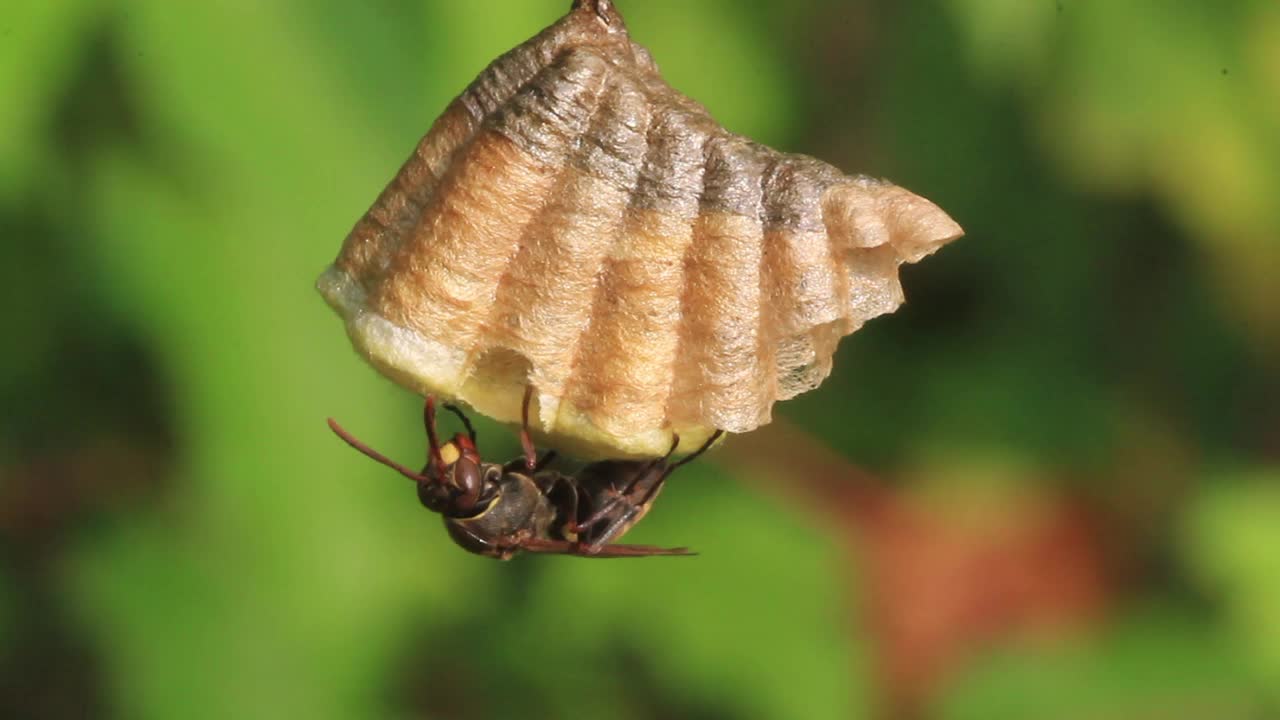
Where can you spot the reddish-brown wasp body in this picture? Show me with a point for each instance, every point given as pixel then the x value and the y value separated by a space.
pixel 499 510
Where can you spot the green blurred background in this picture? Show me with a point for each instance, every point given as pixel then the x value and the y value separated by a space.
pixel 1049 487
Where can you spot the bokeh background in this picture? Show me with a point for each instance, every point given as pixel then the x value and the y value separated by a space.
pixel 1049 487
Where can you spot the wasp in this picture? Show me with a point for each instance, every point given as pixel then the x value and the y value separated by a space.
pixel 523 506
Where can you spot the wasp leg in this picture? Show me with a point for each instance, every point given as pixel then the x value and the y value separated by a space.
pixel 543 463
pixel 621 497
pixel 715 437
pixel 563 494
pixel 526 440
pixel 634 508
pixel 546 460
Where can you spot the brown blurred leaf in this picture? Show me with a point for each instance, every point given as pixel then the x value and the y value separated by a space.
pixel 940 583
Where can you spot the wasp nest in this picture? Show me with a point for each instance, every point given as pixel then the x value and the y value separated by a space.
pixel 573 223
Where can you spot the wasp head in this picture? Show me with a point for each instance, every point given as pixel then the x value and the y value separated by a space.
pixel 455 482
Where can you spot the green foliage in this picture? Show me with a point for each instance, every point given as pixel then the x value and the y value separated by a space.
pixel 1155 660
pixel 1232 541
pixel 1178 101
pixel 7 610
pixel 174 176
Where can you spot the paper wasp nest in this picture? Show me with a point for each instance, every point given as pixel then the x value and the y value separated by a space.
pixel 574 223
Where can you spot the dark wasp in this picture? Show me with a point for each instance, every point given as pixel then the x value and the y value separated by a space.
pixel 500 510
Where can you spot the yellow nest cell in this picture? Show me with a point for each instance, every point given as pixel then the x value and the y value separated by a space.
pixel 573 224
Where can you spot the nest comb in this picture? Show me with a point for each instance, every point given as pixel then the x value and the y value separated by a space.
pixel 573 223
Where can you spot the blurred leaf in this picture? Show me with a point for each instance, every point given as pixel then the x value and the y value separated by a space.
pixel 1233 544
pixel 1008 37
pixel 1176 101
pixel 289 565
pixel 1153 664
pixel 286 575
pixel 712 52
pixel 278 561
pixel 38 51
pixel 6 608
pixel 756 623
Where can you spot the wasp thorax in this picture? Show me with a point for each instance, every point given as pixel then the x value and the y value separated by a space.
pixel 573 223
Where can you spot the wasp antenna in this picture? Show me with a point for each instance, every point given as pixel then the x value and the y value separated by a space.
pixel 429 419
pixel 351 440
pixel 466 421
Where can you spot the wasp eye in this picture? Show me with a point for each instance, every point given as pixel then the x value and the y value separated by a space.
pixel 467 478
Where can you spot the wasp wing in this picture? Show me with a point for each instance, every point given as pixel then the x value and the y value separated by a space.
pixel 564 547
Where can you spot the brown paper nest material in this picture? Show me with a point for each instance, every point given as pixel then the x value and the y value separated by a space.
pixel 574 223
